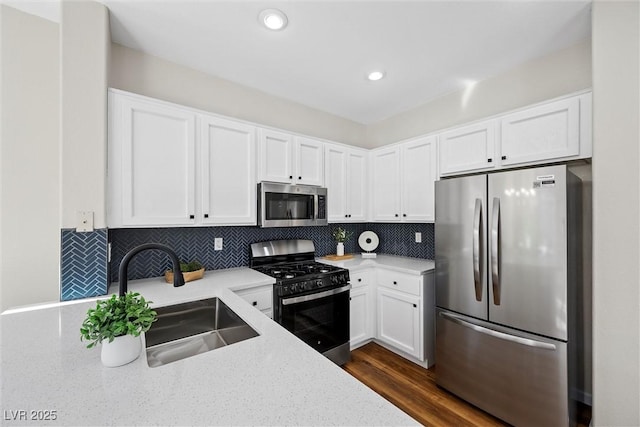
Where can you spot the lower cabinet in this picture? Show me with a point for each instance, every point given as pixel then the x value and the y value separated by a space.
pixel 399 321
pixel 362 308
pixel 261 297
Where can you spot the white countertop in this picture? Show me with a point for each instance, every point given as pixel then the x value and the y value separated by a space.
pixel 390 262
pixel 272 379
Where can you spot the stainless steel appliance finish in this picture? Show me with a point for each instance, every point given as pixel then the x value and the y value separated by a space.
pixel 505 272
pixel 310 299
pixel 286 205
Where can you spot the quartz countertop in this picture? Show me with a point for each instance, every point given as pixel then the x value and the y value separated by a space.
pixel 390 262
pixel 272 379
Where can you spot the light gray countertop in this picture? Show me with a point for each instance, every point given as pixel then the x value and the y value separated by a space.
pixel 390 262
pixel 272 379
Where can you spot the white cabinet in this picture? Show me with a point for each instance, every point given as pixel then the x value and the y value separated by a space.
pixel 469 148
pixel 399 316
pixel 227 153
pixel 290 160
pixel 346 182
pixel 362 309
pixel 547 132
pixel 260 297
pixel 154 178
pixel 554 131
pixel 151 170
pixel 403 181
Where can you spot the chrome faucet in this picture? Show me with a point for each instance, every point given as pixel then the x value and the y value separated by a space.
pixel 178 280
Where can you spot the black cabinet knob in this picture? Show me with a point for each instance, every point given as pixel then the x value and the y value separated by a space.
pixel 396 215
pixel 349 215
pixel 395 283
pixel 346 216
pixel 489 160
pixel 404 215
pixel 415 306
pixel 192 216
pixel 255 303
pixel 206 215
pixel 299 177
pixel 290 176
pixel 504 157
pixel 359 280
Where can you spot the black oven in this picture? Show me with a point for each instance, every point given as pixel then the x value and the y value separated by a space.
pixel 321 319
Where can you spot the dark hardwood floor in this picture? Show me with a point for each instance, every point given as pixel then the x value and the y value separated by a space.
pixel 413 389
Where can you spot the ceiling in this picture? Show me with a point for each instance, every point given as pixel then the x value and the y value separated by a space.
pixel 426 48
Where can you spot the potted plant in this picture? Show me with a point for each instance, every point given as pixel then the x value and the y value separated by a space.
pixel 117 323
pixel 190 271
pixel 340 235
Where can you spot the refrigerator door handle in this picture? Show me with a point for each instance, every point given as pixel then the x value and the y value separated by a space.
pixel 500 335
pixel 477 275
pixel 495 250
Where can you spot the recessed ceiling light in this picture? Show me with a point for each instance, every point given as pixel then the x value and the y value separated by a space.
pixel 375 75
pixel 273 19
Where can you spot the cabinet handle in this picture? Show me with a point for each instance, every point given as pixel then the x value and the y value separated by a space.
pixel 349 215
pixel 192 216
pixel 415 306
pixel 290 176
pixel 350 298
pixel 255 303
pixel 299 177
pixel 359 280
pixel 206 215
pixel 346 216
pixel 404 215
pixel 396 215
pixel 395 283
pixel 504 157
pixel 489 160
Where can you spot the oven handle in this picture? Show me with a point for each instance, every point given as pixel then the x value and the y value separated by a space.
pixel 305 298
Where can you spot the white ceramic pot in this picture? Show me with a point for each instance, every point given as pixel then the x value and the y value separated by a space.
pixel 122 350
pixel 340 249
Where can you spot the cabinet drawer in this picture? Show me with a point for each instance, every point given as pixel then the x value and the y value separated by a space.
pixel 360 278
pixel 400 281
pixel 261 298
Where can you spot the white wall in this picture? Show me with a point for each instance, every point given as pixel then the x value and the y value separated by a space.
pixel 557 74
pixel 29 166
pixel 616 214
pixel 137 72
pixel 85 43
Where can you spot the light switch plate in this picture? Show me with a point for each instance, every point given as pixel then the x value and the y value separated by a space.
pixel 418 237
pixel 217 244
pixel 84 221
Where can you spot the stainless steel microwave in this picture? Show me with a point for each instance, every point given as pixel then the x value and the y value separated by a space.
pixel 285 205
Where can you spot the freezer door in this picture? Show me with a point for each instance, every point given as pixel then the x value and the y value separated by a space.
pixel 520 378
pixel 460 237
pixel 528 250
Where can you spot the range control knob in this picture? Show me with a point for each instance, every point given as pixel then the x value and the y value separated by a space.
pixel 318 283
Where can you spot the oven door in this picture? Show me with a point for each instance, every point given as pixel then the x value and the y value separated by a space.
pixel 320 319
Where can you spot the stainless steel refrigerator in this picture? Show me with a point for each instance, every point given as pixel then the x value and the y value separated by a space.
pixel 508 253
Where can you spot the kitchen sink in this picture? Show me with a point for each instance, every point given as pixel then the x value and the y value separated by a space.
pixel 191 328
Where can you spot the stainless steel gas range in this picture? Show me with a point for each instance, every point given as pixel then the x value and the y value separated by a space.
pixel 310 299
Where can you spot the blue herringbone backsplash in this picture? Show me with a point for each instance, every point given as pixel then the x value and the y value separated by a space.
pixel 83 264
pixel 197 244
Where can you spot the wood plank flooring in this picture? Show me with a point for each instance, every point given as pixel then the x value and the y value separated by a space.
pixel 413 389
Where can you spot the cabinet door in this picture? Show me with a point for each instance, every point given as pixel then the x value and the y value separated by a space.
pixel 418 178
pixel 360 316
pixel 546 132
pixel 157 162
pixel 356 186
pixel 309 158
pixel 467 149
pixel 227 171
pixel 335 181
pixel 386 184
pixel 276 163
pixel 399 321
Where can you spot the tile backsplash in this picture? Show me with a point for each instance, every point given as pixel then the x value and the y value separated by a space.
pixel 83 264
pixel 197 244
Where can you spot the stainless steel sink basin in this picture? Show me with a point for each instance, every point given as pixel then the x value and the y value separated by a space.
pixel 184 330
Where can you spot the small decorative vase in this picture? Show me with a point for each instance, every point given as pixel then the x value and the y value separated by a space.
pixel 122 350
pixel 340 249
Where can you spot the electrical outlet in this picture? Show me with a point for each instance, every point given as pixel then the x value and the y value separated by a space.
pixel 217 244
pixel 418 237
pixel 84 221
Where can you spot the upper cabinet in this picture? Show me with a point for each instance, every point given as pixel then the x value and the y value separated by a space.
pixel 555 131
pixel 469 148
pixel 290 159
pixel 403 181
pixel 228 165
pixel 151 168
pixel 346 182
pixel 161 172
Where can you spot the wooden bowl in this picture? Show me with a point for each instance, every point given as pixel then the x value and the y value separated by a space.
pixel 188 276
